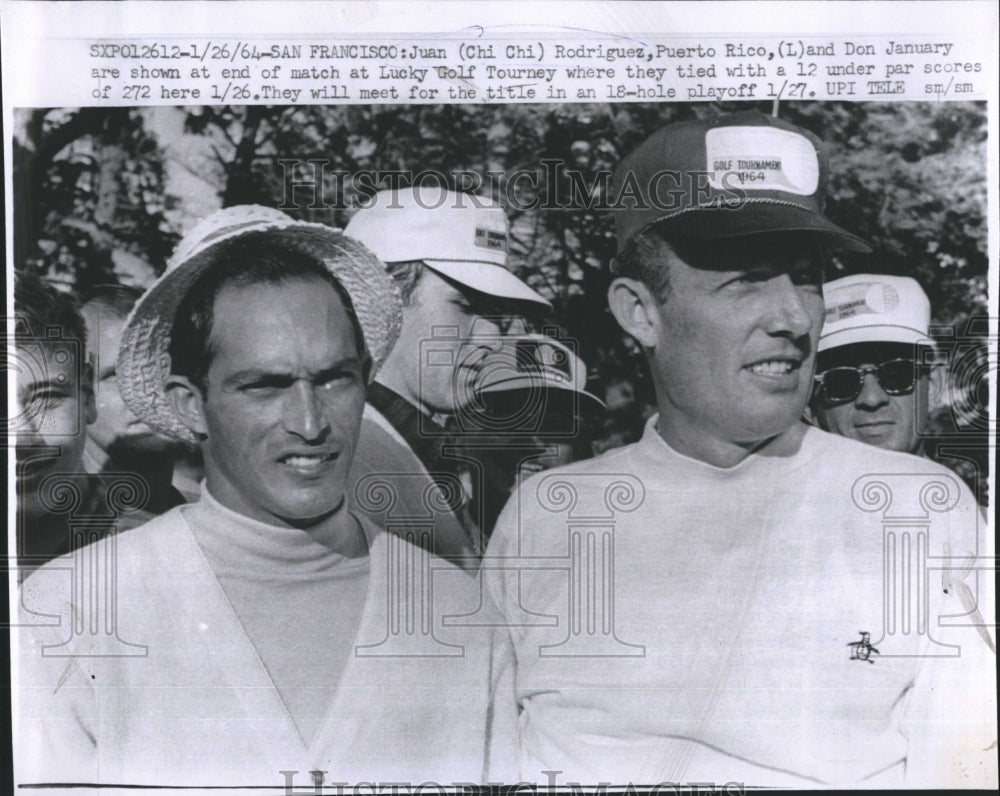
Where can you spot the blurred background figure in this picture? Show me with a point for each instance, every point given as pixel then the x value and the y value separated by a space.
pixel 447 253
pixel 532 412
pixel 876 373
pixel 54 403
pixel 117 441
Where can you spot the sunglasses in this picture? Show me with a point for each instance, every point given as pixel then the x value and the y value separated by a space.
pixel 843 384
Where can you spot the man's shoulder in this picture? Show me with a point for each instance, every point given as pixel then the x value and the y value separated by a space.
pixel 597 473
pixel 863 472
pixel 378 436
pixel 608 475
pixel 131 545
pixel 607 463
pixel 835 448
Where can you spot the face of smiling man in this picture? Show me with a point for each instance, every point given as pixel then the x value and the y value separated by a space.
pixel 732 347
pixel 283 400
pixel 54 404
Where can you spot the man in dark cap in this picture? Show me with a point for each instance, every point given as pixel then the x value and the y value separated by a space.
pixel 722 600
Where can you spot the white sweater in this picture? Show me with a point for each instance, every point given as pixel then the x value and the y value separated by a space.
pixel 184 699
pixel 720 637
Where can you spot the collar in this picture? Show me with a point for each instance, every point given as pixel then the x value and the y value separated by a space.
pixel 236 544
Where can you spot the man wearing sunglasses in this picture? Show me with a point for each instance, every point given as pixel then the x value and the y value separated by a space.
pixel 875 369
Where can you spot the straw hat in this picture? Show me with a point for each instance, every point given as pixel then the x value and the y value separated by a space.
pixel 143 358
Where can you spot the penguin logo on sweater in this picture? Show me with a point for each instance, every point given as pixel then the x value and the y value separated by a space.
pixel 863 650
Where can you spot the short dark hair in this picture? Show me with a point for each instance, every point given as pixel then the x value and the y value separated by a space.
pixel 251 260
pixel 39 307
pixel 645 258
pixel 114 301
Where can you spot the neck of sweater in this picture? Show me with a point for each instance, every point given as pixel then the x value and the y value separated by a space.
pixel 236 544
pixel 779 455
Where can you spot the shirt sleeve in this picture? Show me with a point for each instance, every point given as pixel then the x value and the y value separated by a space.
pixel 950 716
pixel 503 752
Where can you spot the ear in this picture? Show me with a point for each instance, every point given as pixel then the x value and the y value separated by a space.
pixel 89 400
pixel 187 403
pixel 938 387
pixel 636 309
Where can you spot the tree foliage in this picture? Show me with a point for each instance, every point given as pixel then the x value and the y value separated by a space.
pixel 87 182
pixel 908 176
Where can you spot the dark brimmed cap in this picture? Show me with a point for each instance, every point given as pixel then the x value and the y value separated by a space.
pixel 741 174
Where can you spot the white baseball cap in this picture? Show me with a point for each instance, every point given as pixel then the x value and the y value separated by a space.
pixel 875 308
pixel 460 235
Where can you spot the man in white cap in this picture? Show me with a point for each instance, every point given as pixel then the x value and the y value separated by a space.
pixel 448 253
pixel 875 362
pixel 727 600
pixel 253 638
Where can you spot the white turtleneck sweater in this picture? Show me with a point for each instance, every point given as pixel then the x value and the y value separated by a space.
pixel 679 622
pixel 235 653
pixel 293 594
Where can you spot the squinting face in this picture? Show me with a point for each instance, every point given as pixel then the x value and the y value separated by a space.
pixel 283 402
pixel 53 406
pixel 451 331
pixel 736 350
pixel 117 432
pixel 892 422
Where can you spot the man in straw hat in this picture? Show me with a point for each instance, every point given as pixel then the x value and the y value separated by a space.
pixel 735 610
pixel 261 636
pixel 447 252
pixel 876 361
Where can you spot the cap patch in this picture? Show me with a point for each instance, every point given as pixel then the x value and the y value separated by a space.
pixel 761 159
pixel 491 239
pixel 872 298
